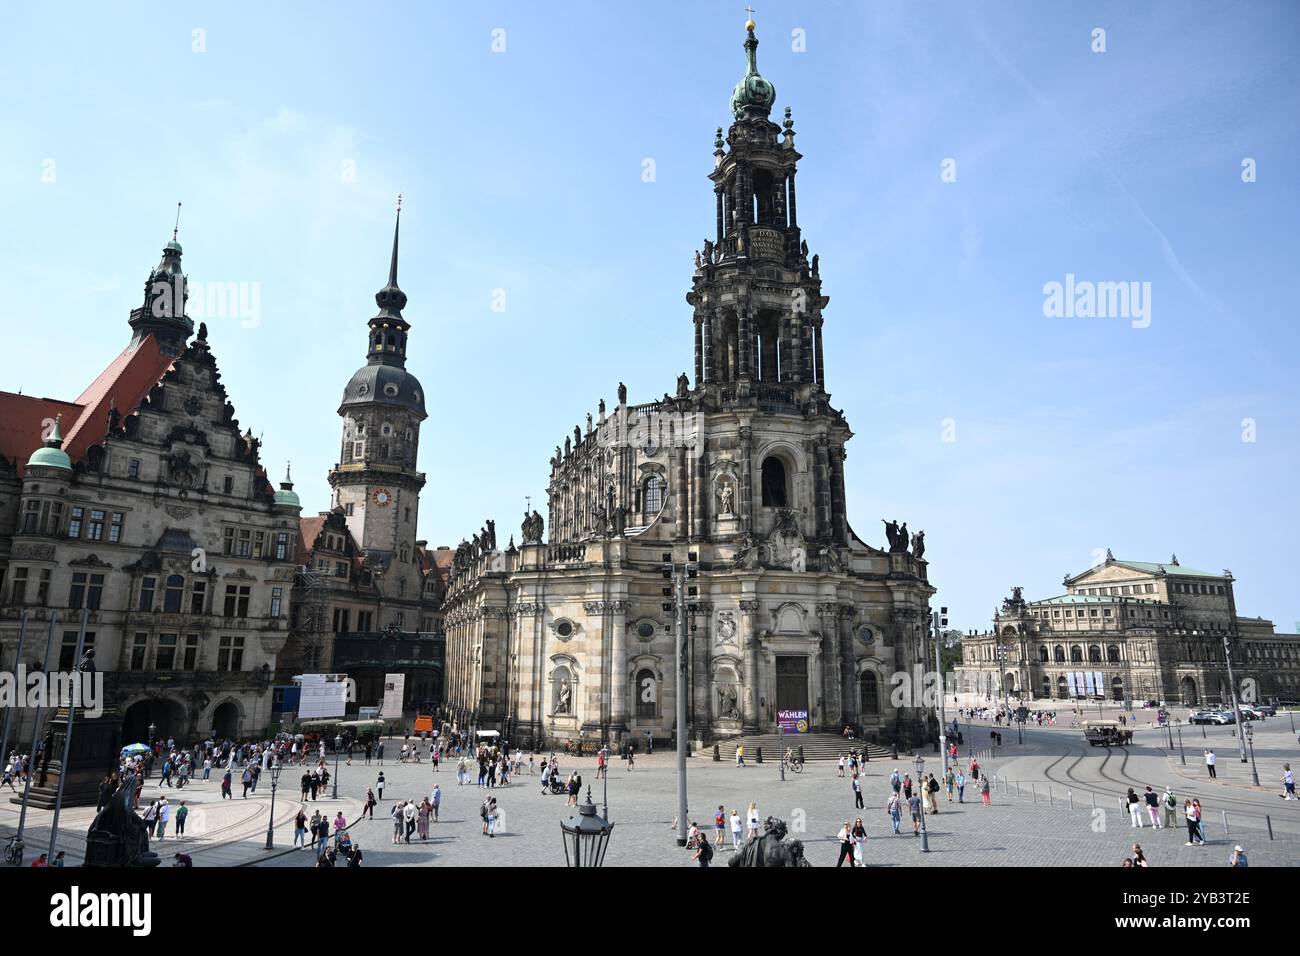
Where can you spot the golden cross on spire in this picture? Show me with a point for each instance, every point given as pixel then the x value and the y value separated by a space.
pixel 176 228
pixel 399 202
pixel 750 24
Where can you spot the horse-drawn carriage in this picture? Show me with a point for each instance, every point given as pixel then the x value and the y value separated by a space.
pixel 1106 733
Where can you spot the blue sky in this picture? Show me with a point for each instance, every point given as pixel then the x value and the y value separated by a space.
pixel 522 172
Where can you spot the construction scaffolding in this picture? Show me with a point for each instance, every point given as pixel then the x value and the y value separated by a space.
pixel 313 605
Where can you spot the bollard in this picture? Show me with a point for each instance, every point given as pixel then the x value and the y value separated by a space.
pixel 1094 800
pixel 1070 794
pixel 758 755
pixel 801 754
pixel 1225 822
pixel 1017 789
pixel 1034 789
pixel 717 754
pixel 1269 821
pixel 1049 795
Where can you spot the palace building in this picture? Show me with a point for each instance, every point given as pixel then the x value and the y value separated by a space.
pixel 741 469
pixel 1152 631
pixel 143 506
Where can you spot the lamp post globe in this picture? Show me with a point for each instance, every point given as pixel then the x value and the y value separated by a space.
pixel 586 836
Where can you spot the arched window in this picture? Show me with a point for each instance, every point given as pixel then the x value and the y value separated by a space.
pixel 1059 654
pixel 1116 688
pixel 1076 654
pixel 1094 654
pixel 647 694
pixel 1062 688
pixel 774 489
pixel 174 593
pixel 1042 654
pixel 868 694
pixel 1112 653
pixel 1047 686
pixel 653 498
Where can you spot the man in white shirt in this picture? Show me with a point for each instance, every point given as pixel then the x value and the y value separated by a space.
pixel 1209 763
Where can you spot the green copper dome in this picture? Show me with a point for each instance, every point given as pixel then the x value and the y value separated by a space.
pixel 753 96
pixel 286 496
pixel 52 454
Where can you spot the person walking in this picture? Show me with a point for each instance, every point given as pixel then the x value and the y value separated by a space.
pixel 949 778
pixel 895 781
pixel 1210 761
pixel 907 786
pixel 845 836
pixel 915 806
pixel 1288 782
pixel 740 755
pixel 164 814
pixel 379 786
pixel 1193 824
pixel 225 787
pixel 932 789
pixel 752 820
pixel 719 825
pixel 368 809
pixel 1152 801
pixel 399 822
pixel 857 793
pixel 961 785
pixel 984 790
pixel 1238 857
pixel 1139 858
pixel 182 813
pixel 1134 803
pixel 150 817
pixel 1200 820
pixel 435 801
pixel 315 826
pixel 859 842
pixel 300 827
pixel 895 810
pixel 736 829
pixel 408 820
pixel 1171 809
pixel 493 816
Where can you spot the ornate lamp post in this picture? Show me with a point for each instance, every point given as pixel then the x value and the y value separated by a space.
pixel 920 782
pixel 152 732
pixel 338 745
pixel 586 836
pixel 1250 739
pixel 275 782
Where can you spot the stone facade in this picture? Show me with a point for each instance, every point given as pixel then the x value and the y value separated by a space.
pixel 1154 631
pixel 149 510
pixel 743 470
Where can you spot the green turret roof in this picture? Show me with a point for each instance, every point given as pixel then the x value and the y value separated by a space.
pixel 52 455
pixel 753 96
pixel 286 496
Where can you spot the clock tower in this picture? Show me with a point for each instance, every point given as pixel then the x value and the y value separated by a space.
pixel 375 482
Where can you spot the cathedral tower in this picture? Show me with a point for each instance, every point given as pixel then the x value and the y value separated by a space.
pixel 376 483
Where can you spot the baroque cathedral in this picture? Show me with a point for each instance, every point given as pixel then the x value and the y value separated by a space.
pixel 571 635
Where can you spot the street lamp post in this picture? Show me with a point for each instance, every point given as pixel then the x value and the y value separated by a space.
pixel 1232 688
pixel 275 782
pixel 678 575
pixel 1250 739
pixel 939 620
pixel 586 836
pixel 920 782
pixel 1181 756
pixel 338 745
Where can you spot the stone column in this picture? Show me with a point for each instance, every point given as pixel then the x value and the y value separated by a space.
pixel 699 349
pixel 817 350
pixel 839 518
pixel 749 641
pixel 745 504
pixel 701 666
pixel 618 691
pixel 796 347
pixel 822 487
pixel 832 666
pixel 681 520
pixel 709 371
pixel 700 491
pixel 848 666
pixel 745 342
pixel 717 190
pixel 794 212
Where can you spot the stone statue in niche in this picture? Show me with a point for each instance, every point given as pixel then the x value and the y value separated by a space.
pixel 726 499
pixel 563 699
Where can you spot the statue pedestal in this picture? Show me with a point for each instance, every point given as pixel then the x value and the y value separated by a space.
pixel 95 750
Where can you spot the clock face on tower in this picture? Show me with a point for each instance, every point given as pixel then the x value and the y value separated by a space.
pixel 383 497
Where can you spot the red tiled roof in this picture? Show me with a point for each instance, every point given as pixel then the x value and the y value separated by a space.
pixel 308 530
pixel 125 383
pixel 22 426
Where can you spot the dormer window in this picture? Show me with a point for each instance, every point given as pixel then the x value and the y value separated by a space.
pixel 390 390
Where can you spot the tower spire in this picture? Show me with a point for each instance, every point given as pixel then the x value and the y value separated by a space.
pixel 177 227
pixel 397 226
pixel 391 299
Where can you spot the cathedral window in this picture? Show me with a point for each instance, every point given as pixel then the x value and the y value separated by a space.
pixel 653 498
pixel 87 588
pixel 228 485
pixel 96 530
pixel 237 600
pixel 74 522
pixel 173 593
pixel 228 541
pixel 282 543
pixel 774 483
pixel 138 648
pixel 115 527
pixel 230 654
pixel 190 656
pixel 277 601
pixel 165 657
pixel 147 587
pixel 18 587
pixel 198 594
pixel 358 450
pixel 133 468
